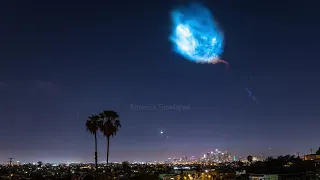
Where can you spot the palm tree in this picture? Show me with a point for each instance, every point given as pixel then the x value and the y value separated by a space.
pixel 92 125
pixel 109 126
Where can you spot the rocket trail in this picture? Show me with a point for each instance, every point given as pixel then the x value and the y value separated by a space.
pixel 253 97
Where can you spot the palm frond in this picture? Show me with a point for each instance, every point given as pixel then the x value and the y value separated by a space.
pixel 92 124
pixel 110 123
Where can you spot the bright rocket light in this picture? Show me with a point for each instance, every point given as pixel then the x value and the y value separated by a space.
pixel 195 34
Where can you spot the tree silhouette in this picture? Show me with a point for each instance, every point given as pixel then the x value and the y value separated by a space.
pixel 92 125
pixel 280 165
pixel 240 163
pixel 125 166
pixel 109 126
pixel 269 159
pixel 250 158
pixel 318 152
pixel 39 164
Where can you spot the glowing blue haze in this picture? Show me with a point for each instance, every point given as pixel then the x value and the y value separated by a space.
pixel 195 34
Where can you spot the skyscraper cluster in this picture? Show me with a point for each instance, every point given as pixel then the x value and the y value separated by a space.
pixel 218 156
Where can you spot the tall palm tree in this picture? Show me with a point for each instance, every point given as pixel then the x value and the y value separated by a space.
pixel 109 126
pixel 92 125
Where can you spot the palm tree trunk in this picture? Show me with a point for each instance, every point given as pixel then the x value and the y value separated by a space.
pixel 96 155
pixel 108 147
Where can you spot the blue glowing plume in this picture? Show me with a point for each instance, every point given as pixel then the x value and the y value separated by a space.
pixel 195 34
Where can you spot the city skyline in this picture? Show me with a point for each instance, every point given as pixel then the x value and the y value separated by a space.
pixel 194 157
pixel 62 62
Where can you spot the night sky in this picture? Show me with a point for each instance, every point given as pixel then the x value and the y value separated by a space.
pixel 62 61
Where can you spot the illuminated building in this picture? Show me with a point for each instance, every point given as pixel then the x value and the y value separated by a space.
pixel 193 158
pixel 217 157
pixel 263 177
pixel 234 158
pixel 167 176
pixel 184 159
pixel 254 159
pixel 311 157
